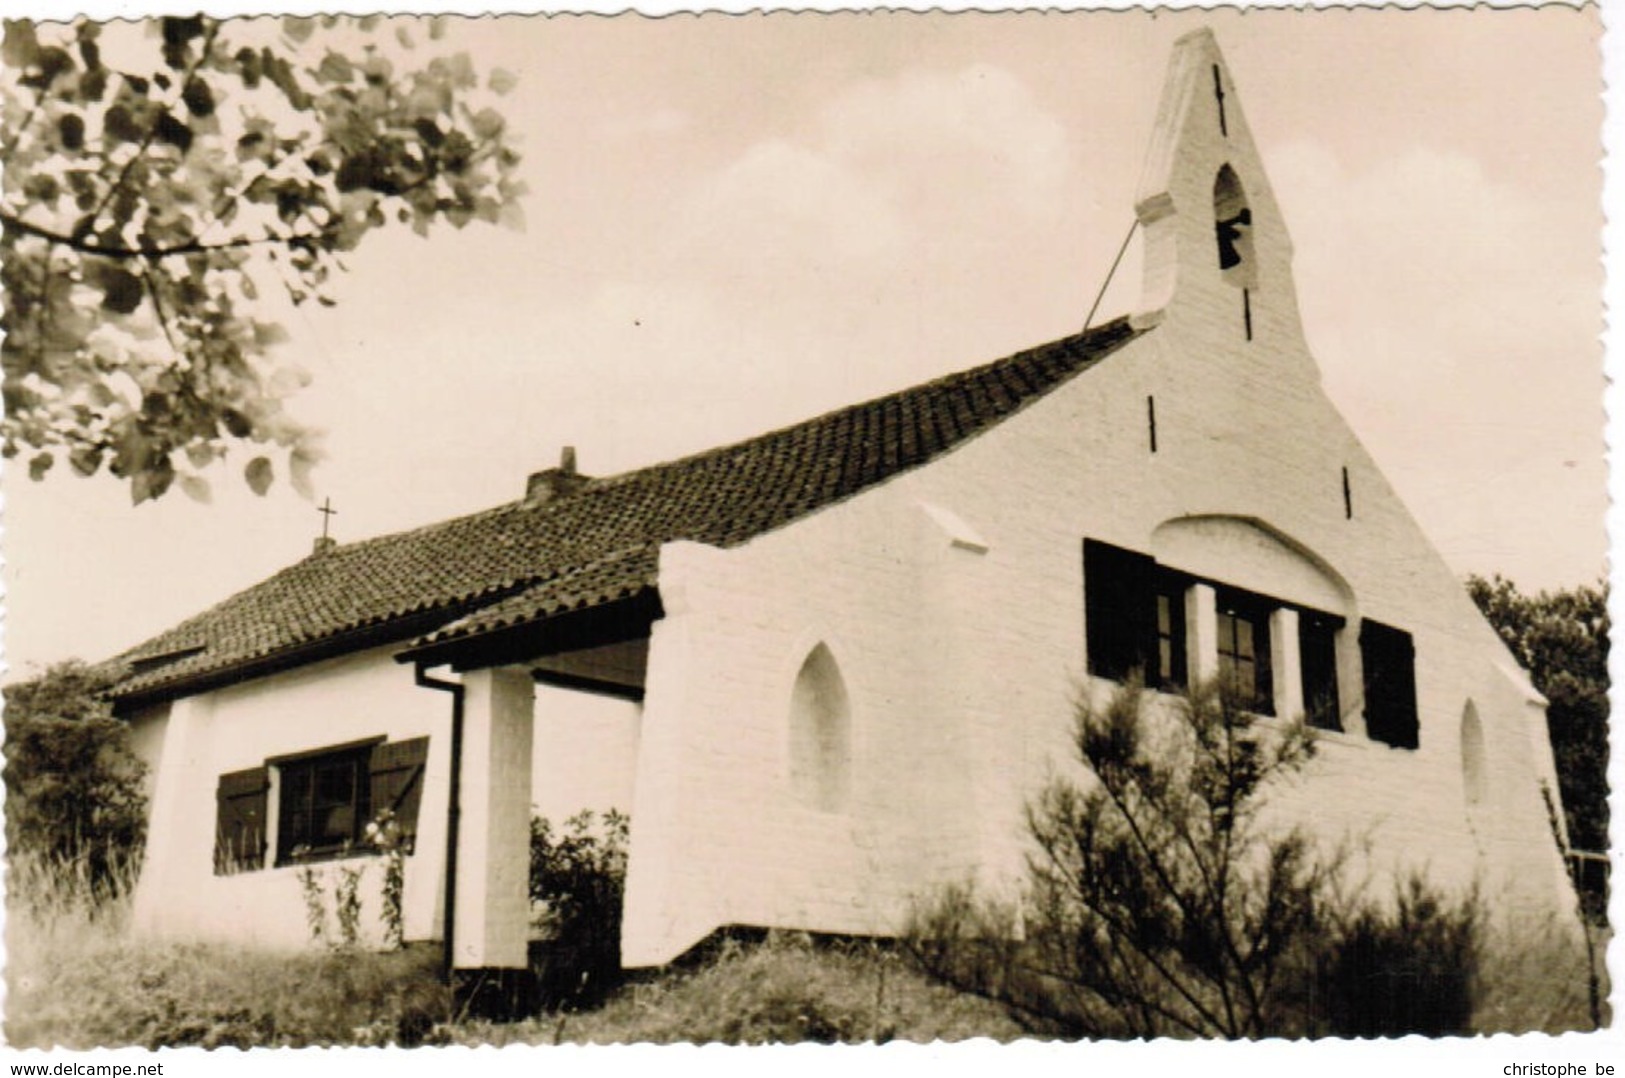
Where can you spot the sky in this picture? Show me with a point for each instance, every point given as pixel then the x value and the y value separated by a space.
pixel 736 222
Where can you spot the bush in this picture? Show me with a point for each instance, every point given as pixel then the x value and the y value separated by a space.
pixel 1411 968
pixel 1156 903
pixel 577 888
pixel 73 788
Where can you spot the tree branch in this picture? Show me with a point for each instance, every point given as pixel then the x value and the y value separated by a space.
pixel 116 251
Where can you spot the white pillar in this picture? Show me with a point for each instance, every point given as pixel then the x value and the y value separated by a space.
pixel 1202 633
pixel 1286 663
pixel 179 857
pixel 492 920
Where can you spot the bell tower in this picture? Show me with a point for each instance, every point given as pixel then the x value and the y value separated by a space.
pixel 1218 259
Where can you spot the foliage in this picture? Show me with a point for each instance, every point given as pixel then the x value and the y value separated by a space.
pixel 347 906
pixel 1407 968
pixel 385 835
pixel 158 176
pixel 577 887
pixel 1157 903
pixel 315 900
pixel 1561 638
pixel 74 789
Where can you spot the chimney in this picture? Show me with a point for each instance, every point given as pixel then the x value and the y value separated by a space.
pixel 544 486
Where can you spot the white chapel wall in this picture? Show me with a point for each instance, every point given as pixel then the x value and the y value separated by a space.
pixel 330 703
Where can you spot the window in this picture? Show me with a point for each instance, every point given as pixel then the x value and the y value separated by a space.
pixel 1170 669
pixel 820 733
pixel 324 802
pixel 1134 614
pixel 1244 651
pixel 1317 651
pixel 1389 659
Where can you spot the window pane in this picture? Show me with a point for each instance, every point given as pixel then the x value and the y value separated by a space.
pixel 1244 637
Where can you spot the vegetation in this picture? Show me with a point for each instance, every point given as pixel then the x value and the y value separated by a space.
pixel 73 788
pixel 577 887
pixel 1158 903
pixel 159 176
pixel 1561 638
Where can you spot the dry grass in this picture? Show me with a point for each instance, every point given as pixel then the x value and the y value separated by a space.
pixel 1537 982
pixel 76 979
pixel 783 991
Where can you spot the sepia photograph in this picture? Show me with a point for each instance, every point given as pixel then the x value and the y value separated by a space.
pixel 1013 531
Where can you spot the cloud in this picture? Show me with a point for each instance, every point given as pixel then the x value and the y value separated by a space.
pixel 1456 325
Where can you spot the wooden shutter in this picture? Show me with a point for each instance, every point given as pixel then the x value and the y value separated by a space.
pixel 239 830
pixel 397 782
pixel 1389 658
pixel 1317 650
pixel 1120 610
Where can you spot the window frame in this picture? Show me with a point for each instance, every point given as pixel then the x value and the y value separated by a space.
pixel 1316 627
pixel 295 847
pixel 1239 608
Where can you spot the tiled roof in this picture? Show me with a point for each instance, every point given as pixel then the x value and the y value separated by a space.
pixel 521 562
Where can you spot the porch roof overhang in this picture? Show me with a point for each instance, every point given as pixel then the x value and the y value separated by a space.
pixel 630 617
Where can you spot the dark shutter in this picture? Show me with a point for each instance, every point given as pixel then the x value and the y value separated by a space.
pixel 1120 610
pixel 1317 649
pixel 239 831
pixel 397 782
pixel 1389 658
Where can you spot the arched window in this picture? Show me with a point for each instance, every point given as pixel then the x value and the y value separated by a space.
pixel 1472 755
pixel 820 733
pixel 1233 224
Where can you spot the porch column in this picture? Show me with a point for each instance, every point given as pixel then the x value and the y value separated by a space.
pixel 178 862
pixel 1287 664
pixel 1202 633
pixel 491 923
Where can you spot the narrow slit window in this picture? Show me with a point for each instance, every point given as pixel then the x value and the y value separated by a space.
pixel 1348 496
pixel 1218 95
pixel 1151 420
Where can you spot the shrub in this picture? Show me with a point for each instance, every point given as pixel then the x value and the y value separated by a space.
pixel 1408 968
pixel 577 888
pixel 73 788
pixel 1156 904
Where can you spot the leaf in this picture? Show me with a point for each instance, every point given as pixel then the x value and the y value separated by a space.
pixel 198 97
pixel 335 67
pixel 488 123
pixel 298 29
pixel 502 81
pixel 39 466
pixel 71 129
pixel 300 465
pixel 180 31
pixel 174 132
pixel 196 488
pixel 259 475
pixel 236 424
pixel 121 290
pixel 119 123
pixel 21 45
pixel 151 482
